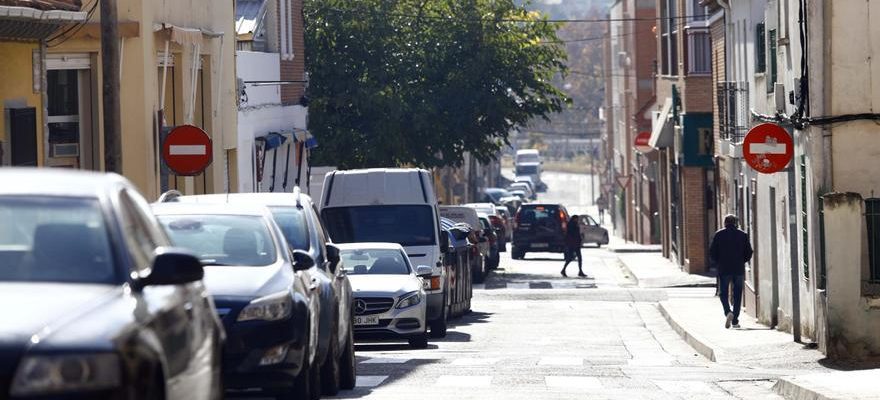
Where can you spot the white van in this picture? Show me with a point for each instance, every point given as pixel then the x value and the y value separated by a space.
pixel 529 164
pixel 394 205
pixel 527 156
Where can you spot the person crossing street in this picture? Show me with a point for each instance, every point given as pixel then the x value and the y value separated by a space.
pixel 730 251
pixel 573 243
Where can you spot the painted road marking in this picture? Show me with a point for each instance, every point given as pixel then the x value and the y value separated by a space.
pixel 386 361
pixel 370 381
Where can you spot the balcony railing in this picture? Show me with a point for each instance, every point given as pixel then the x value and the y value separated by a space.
pixel 733 110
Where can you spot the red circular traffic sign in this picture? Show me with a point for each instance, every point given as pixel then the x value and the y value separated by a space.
pixel 187 150
pixel 642 142
pixel 768 148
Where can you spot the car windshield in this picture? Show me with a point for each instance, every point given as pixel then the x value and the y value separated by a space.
pixel 527 158
pixel 54 239
pixel 526 169
pixel 292 222
pixel 220 240
pixel 374 262
pixel 409 225
pixel 538 214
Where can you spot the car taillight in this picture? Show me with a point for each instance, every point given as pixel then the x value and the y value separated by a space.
pixel 562 220
pixel 516 220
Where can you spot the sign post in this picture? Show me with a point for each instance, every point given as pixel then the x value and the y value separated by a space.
pixel 187 150
pixel 768 148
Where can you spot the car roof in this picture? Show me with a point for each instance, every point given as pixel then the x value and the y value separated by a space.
pixel 57 182
pixel 542 205
pixel 210 209
pixel 263 199
pixel 369 246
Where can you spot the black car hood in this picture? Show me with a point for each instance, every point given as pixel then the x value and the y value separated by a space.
pixel 35 311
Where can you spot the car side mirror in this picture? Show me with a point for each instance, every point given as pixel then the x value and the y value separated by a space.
pixel 424 271
pixel 332 256
pixel 302 260
pixel 172 266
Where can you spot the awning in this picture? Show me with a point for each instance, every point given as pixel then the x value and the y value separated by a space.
pixel 661 135
pixel 181 35
pixel 25 23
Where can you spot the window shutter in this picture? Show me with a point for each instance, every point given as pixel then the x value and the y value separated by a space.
pixel 760 48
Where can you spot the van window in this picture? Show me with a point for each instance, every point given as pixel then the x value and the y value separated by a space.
pixel 408 225
pixel 527 158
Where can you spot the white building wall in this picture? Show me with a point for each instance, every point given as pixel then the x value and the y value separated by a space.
pixel 263 113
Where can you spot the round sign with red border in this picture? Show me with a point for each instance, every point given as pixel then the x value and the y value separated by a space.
pixel 642 142
pixel 187 150
pixel 768 148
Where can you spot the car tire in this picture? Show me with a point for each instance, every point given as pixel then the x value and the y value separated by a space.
pixel 419 342
pixel 315 382
pixel 330 371
pixel 516 253
pixel 440 325
pixel 479 275
pixel 301 384
pixel 348 366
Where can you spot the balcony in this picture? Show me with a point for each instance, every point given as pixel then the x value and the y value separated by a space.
pixel 733 116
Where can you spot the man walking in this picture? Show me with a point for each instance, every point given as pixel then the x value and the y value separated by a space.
pixel 602 204
pixel 730 251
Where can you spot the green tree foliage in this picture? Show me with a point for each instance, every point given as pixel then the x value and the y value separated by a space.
pixel 420 82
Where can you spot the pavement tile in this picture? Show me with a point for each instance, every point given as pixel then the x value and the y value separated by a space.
pixel 465 381
pixel 370 381
pixel 475 361
pixel 573 382
pixel 676 386
pixel 561 361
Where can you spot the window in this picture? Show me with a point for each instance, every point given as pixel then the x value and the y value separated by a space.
pixel 760 49
pixel 872 214
pixel 407 225
pixel 292 222
pixel 669 37
pixel 697 11
pixel 374 262
pixel 139 240
pixel 699 52
pixel 771 52
pixel 218 240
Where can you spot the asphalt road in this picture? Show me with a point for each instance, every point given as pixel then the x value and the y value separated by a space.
pixel 536 335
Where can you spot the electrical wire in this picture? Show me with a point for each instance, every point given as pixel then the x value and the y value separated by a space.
pixel 74 28
pixel 515 20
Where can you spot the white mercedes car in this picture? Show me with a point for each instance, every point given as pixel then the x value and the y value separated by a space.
pixel 388 293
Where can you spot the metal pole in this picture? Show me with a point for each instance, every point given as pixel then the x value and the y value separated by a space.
pixel 592 176
pixel 110 70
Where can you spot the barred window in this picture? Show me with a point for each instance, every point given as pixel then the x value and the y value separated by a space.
pixel 872 215
pixel 760 49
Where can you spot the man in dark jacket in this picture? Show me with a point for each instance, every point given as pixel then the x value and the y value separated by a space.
pixel 730 251
pixel 573 244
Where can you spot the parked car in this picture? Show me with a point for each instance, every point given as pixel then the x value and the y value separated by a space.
pixel 497 223
pixel 495 195
pixel 389 300
pixel 493 258
pixel 98 305
pixel 395 205
pixel 539 227
pixel 592 232
pixel 457 258
pixel 301 225
pixel 521 195
pixel 525 188
pixel 264 295
pixel 480 250
pixel 507 219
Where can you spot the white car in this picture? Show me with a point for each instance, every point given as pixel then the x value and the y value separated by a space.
pixel 389 301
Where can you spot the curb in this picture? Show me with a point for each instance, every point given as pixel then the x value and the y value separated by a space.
pixel 699 344
pixel 629 272
pixel 787 388
pixel 632 250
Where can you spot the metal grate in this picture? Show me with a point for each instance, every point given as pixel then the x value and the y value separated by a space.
pixel 872 215
pixel 372 305
pixel 823 274
pixel 733 110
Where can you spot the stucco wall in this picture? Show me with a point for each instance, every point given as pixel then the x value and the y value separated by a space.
pixel 853 320
pixel 17 90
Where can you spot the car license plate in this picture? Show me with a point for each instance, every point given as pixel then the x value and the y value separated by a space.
pixel 540 245
pixel 366 320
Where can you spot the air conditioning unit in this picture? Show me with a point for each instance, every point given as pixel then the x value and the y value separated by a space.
pixel 65 150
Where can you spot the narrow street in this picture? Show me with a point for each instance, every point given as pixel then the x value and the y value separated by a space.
pixel 534 334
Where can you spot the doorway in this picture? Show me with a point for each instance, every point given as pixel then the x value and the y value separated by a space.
pixel 774 257
pixel 71 98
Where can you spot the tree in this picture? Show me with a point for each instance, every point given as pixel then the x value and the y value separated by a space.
pixel 421 82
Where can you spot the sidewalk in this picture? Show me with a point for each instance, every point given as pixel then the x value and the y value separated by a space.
pixel 843 385
pixel 652 270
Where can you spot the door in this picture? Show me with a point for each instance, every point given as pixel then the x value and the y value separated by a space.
pixel 71 98
pixel 774 266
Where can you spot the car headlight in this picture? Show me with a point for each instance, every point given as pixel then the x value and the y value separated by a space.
pixel 270 308
pixel 37 375
pixel 410 299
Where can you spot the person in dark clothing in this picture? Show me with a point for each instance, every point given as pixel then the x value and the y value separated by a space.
pixel 730 251
pixel 573 244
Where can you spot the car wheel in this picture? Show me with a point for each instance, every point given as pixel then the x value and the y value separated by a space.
pixel 330 371
pixel 301 384
pixel 348 366
pixel 419 342
pixel 439 326
pixel 479 274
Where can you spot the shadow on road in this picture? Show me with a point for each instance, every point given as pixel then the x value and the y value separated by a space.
pixel 367 370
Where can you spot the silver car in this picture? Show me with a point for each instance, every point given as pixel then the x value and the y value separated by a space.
pixel 592 232
pixel 389 300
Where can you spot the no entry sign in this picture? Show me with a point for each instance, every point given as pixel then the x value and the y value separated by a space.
pixel 768 148
pixel 187 150
pixel 642 142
